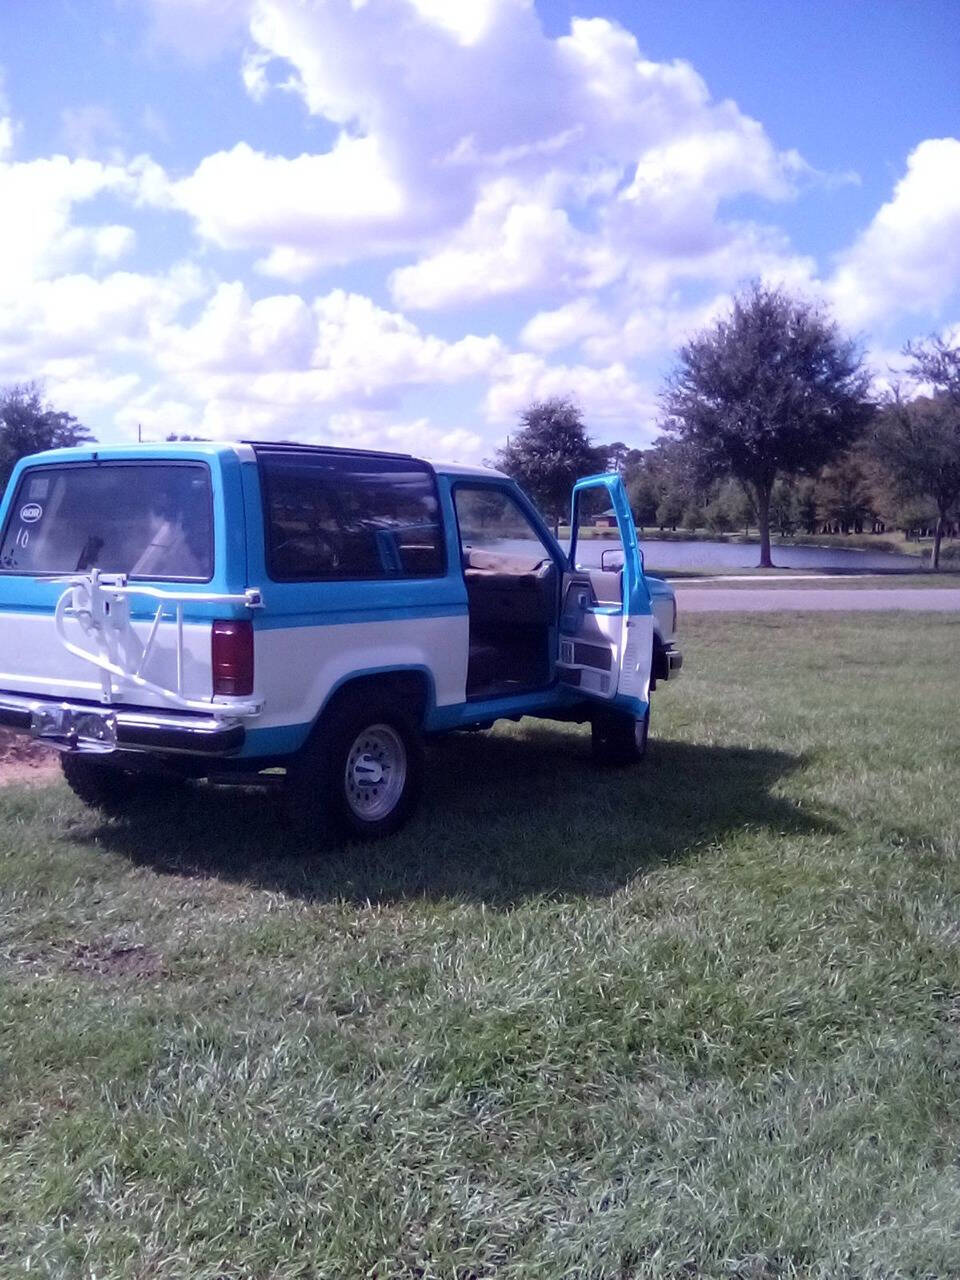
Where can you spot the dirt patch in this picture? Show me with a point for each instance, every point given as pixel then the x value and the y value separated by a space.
pixel 117 962
pixel 93 959
pixel 23 759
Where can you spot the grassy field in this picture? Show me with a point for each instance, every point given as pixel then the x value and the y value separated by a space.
pixel 698 1019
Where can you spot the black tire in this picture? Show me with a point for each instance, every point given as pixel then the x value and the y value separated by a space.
pixel 323 790
pixel 618 738
pixel 111 789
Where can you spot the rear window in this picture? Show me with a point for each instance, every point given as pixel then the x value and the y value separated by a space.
pixel 147 520
pixel 351 517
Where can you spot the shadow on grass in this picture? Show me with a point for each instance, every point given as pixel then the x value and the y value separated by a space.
pixel 504 817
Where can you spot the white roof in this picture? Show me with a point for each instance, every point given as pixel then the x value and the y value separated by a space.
pixel 461 469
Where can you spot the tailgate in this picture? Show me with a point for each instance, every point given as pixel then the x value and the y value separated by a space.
pixel 35 660
pixel 111 577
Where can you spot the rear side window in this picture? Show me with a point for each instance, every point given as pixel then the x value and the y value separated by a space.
pixel 147 520
pixel 350 517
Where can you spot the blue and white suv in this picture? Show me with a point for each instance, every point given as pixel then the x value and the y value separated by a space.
pixel 222 610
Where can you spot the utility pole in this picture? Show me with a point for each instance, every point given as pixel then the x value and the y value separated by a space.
pixel 139 434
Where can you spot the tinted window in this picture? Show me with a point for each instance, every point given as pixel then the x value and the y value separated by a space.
pixel 147 520
pixel 332 517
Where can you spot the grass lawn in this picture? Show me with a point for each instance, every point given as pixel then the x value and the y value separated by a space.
pixel 697 1019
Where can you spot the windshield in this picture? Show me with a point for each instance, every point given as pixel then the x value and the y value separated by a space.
pixel 146 520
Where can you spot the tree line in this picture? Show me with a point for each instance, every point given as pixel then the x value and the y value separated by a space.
pixel 768 422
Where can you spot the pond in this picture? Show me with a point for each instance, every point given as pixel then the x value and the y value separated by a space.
pixel 660 554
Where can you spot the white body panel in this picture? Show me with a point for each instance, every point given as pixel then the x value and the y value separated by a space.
pixel 297 667
pixel 635 657
pixel 33 660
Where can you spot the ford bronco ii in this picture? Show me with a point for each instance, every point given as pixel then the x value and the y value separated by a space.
pixel 309 615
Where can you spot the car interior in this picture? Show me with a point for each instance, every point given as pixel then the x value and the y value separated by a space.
pixel 513 600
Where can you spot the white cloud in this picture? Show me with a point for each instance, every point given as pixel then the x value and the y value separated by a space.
pixel 235 335
pixel 512 242
pixel 338 347
pixel 283 365
pixel 378 430
pixel 237 414
pixel 511 161
pixel 908 258
pixel 619 332
pixel 38 238
pixel 85 388
pixel 609 396
pixel 467 20
pixel 308 211
pixel 75 316
pixel 564 326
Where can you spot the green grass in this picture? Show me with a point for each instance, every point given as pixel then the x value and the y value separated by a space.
pixel 698 1019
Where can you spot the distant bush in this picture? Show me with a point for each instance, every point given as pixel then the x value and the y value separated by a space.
pixel 948 555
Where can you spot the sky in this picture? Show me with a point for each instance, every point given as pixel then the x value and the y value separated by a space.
pixel 397 223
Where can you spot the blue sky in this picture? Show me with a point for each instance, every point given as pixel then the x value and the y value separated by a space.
pixel 400 221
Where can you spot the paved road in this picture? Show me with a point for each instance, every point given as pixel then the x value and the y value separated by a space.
pixel 777 599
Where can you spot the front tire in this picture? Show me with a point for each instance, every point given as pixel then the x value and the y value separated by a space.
pixel 619 738
pixel 362 772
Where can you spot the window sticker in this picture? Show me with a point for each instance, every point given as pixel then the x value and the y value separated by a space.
pixel 31 512
pixel 38 487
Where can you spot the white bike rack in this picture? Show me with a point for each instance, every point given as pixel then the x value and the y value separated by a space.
pixel 99 604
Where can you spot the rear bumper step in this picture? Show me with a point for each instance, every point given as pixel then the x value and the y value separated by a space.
pixel 88 727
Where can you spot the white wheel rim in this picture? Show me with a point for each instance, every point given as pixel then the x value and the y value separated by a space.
pixel 375 773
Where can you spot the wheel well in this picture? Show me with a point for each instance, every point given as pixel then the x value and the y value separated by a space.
pixel 407 689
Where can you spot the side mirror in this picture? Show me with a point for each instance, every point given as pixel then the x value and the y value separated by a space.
pixel 611 560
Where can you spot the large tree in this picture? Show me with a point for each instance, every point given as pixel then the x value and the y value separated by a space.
pixel 917 442
pixel 771 391
pixel 549 453
pixel 936 362
pixel 29 425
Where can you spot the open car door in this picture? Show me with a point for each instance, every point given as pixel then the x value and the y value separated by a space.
pixel 606 622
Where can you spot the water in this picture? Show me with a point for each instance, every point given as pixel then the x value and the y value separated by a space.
pixel 741 555
pixel 660 554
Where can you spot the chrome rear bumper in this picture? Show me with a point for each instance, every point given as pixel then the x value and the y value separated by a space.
pixel 86 727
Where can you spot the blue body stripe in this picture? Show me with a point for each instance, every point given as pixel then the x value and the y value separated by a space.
pixel 330 618
pixel 462 714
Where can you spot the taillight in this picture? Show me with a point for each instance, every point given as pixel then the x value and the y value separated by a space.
pixel 232 657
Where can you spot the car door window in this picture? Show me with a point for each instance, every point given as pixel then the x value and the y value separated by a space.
pixel 494 526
